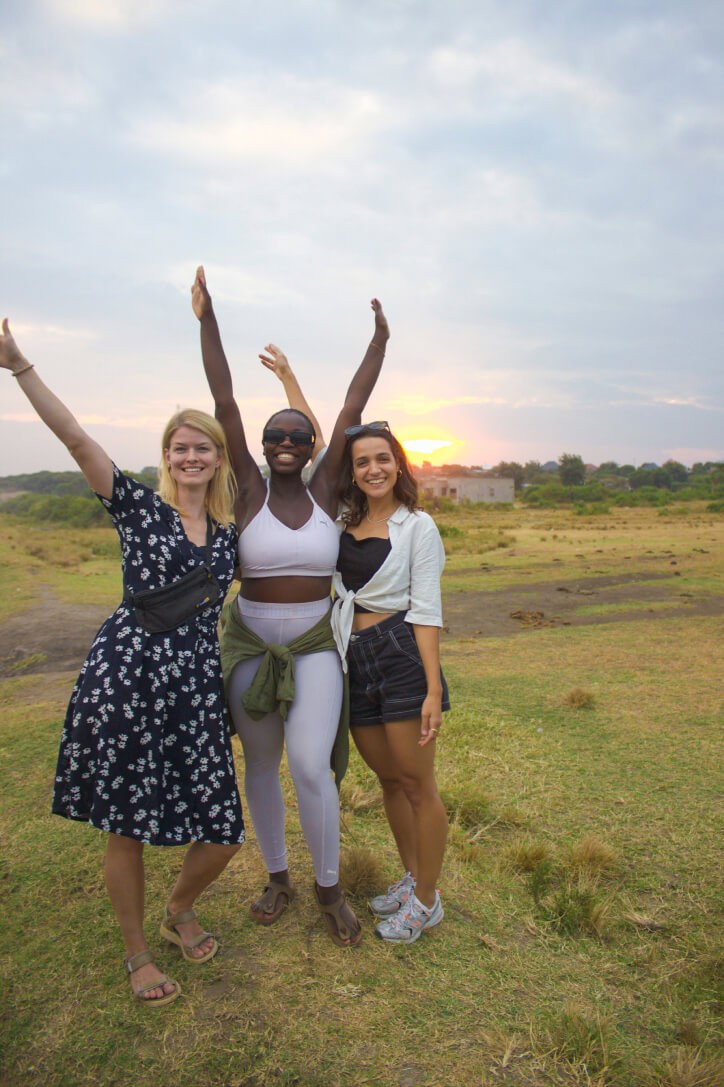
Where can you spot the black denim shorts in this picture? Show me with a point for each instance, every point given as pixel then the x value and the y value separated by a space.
pixel 386 676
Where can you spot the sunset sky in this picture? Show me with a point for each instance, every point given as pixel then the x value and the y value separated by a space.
pixel 533 190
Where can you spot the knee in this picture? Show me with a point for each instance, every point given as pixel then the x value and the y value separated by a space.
pixel 418 790
pixel 260 766
pixel 119 845
pixel 391 786
pixel 309 776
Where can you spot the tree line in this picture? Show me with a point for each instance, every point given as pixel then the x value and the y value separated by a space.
pixel 65 483
pixel 571 472
pixel 64 497
pixel 615 484
pixel 59 497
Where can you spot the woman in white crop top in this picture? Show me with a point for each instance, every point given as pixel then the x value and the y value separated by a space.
pixel 287 550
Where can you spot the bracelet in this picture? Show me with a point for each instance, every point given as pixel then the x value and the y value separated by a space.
pixel 23 369
pixel 378 348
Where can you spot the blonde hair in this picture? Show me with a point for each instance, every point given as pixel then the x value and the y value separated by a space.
pixel 221 492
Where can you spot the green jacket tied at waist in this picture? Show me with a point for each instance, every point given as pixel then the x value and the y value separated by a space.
pixel 273 685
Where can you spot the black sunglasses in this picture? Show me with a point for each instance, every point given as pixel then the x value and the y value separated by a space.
pixel 275 436
pixel 355 431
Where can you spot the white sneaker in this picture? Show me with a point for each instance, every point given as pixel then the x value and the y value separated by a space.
pixel 410 921
pixel 397 895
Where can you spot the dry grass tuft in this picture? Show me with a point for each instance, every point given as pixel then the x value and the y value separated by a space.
pixel 488 942
pixel 510 816
pixel 644 921
pixel 362 872
pixel 569 902
pixel 467 807
pixel 467 851
pixel 689 1033
pixel 598 919
pixel 581 1038
pixel 593 855
pixel 525 855
pixel 579 699
pixel 690 1070
pixel 356 799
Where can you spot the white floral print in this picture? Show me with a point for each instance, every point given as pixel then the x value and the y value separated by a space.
pixel 145 750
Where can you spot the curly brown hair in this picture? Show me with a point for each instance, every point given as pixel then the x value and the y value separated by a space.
pixel 353 500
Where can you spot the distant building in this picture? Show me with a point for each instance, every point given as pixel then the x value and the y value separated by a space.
pixel 464 486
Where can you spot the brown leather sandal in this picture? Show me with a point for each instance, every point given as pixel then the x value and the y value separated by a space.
pixel 167 930
pixel 339 930
pixel 272 903
pixel 135 962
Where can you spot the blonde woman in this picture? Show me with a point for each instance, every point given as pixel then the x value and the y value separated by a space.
pixel 145 753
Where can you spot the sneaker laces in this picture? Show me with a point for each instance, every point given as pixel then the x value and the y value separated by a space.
pixel 399 920
pixel 406 883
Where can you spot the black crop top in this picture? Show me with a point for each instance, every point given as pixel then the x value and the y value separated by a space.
pixel 359 560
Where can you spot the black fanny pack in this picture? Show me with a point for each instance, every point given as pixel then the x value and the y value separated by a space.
pixel 174 605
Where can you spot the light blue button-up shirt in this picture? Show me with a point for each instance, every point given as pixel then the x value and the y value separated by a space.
pixel 408 580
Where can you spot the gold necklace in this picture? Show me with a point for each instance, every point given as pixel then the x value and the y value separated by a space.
pixel 378 520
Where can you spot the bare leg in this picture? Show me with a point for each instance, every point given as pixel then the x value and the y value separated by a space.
pixel 416 770
pixel 371 742
pixel 124 875
pixel 415 812
pixel 203 863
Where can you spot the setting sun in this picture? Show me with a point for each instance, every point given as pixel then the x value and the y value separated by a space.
pixel 424 445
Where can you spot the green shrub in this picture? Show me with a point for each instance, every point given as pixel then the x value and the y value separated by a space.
pixel 51 509
pixel 450 531
pixel 547 495
pixel 644 496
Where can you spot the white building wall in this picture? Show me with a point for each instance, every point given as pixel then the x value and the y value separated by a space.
pixel 468 488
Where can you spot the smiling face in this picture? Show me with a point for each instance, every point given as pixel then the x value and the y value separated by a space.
pixel 287 442
pixel 374 466
pixel 192 457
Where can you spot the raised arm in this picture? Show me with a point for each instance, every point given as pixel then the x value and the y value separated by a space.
pixel 93 462
pixel 358 393
pixel 275 360
pixel 218 375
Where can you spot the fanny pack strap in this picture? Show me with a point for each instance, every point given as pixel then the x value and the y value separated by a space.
pixel 209 535
pixel 128 595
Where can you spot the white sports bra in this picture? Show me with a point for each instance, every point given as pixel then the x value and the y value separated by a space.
pixel 268 548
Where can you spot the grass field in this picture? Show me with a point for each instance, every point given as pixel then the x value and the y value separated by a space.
pixel 581 768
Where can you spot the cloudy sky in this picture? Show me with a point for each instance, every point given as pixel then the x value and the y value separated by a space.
pixel 533 189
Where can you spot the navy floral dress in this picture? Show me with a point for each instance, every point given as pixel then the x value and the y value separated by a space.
pixel 145 750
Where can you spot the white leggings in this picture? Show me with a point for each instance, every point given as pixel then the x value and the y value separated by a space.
pixel 310 730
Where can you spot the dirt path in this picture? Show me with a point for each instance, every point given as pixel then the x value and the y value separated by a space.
pixel 501 612
pixel 53 636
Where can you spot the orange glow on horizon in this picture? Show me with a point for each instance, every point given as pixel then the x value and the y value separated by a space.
pixel 434 450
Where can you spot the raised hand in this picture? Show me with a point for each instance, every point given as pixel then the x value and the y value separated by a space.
pixel 381 325
pixel 276 361
pixel 11 357
pixel 200 297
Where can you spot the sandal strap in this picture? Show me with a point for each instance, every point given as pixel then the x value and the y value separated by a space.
pixel 163 980
pixel 135 962
pixel 272 891
pixel 198 940
pixel 174 919
pixel 334 910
